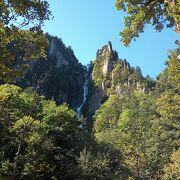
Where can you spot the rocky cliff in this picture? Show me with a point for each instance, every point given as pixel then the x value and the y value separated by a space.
pixel 60 77
pixel 112 76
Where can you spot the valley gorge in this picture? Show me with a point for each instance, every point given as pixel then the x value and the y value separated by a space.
pixel 84 88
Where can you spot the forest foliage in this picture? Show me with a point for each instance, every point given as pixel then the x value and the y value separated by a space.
pixel 134 135
pixel 21 37
pixel 139 13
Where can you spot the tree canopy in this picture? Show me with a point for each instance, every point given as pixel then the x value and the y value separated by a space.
pixel 158 13
pixel 21 38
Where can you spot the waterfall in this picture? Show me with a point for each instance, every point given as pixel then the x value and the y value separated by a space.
pixel 85 92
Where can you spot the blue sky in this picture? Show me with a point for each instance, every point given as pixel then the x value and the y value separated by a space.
pixel 86 25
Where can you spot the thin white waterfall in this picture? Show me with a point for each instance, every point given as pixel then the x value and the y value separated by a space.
pixel 85 93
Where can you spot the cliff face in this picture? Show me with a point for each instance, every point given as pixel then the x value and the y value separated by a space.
pixel 102 68
pixel 111 76
pixel 64 56
pixel 60 77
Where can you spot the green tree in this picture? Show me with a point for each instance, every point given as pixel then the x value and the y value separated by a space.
pixel 21 38
pixel 172 169
pixel 159 13
pixel 101 161
pixel 17 112
pixel 107 116
pixel 132 125
pixel 174 68
pixel 38 139
pixel 134 132
pixel 22 129
pixel 53 148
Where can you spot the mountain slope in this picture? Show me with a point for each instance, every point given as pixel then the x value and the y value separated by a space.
pixel 60 77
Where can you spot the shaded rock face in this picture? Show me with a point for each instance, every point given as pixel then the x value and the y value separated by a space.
pixel 95 100
pixel 108 66
pixel 60 77
pixel 63 56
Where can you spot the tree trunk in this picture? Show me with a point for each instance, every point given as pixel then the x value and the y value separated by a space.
pixel 16 162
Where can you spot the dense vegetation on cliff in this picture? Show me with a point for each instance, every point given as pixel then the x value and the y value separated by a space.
pixel 129 125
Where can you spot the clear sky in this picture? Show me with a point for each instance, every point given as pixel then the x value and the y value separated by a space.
pixel 86 25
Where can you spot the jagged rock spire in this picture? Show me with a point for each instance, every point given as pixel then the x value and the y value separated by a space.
pixel 110 46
